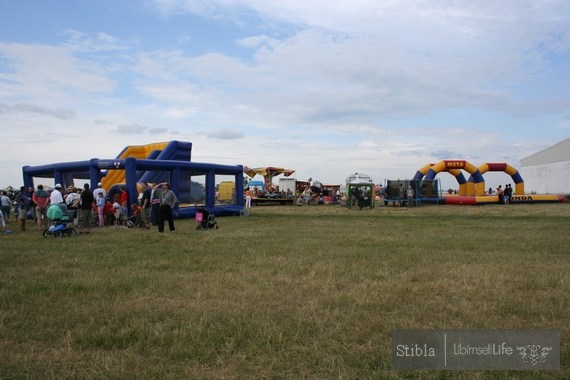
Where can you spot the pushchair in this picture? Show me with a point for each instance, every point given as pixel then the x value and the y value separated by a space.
pixel 136 220
pixel 60 218
pixel 205 220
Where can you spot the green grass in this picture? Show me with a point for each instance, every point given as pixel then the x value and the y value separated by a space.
pixel 288 292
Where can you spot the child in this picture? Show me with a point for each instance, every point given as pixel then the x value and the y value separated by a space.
pixel 136 218
pixel 100 202
pixel 117 212
pixel 109 212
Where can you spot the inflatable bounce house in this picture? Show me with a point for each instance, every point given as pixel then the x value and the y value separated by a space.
pixel 471 191
pixel 153 164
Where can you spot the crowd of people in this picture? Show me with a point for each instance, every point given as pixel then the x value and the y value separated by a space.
pixel 89 208
pixel 96 208
pixel 504 196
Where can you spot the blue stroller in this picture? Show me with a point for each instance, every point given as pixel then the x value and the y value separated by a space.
pixel 60 217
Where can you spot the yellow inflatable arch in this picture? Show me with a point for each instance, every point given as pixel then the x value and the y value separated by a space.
pixel 448 165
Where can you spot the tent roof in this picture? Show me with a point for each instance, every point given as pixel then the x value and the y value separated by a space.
pixel 359 178
pixel 267 170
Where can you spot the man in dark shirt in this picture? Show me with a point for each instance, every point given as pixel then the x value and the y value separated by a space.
pixel 86 209
pixel 145 201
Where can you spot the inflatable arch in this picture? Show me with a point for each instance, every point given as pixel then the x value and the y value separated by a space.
pixel 458 174
pixel 472 191
pixel 498 167
pixel 457 165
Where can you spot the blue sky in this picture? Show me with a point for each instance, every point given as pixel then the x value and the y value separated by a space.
pixel 327 88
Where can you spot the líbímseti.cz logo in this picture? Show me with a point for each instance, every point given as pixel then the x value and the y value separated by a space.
pixel 490 349
pixel 476 349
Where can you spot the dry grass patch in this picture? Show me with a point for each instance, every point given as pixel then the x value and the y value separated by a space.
pixel 288 292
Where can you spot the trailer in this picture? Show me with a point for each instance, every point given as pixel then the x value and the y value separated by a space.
pixel 287 185
pixel 227 192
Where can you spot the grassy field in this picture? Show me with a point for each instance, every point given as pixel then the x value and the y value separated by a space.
pixel 288 292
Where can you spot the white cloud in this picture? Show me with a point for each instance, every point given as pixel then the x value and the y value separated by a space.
pixel 324 87
pixel 225 134
pixel 94 43
pixel 26 108
pixel 258 41
pixel 40 70
pixel 134 129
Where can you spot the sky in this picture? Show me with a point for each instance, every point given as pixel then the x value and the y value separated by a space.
pixel 323 87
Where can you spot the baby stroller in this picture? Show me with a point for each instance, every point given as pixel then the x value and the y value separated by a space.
pixel 205 220
pixel 60 217
pixel 136 220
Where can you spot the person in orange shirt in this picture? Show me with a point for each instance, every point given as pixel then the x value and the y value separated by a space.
pixel 248 198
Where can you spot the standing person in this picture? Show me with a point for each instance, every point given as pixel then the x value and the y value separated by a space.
pixel 410 195
pixel 23 202
pixel 307 195
pixel 358 196
pixel 41 199
pixel 500 193
pixel 98 190
pixel 364 198
pixel 100 211
pixel 145 202
pixel 56 197
pixel 155 196
pixel 72 200
pixel 108 212
pixel 5 205
pixel 124 197
pixel 32 203
pixel 7 231
pixel 117 211
pixel 124 201
pixel 100 201
pixel 352 197
pixel 507 194
pixel 85 211
pixel 248 198
pixel 167 202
